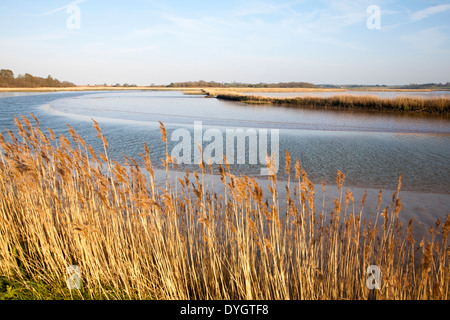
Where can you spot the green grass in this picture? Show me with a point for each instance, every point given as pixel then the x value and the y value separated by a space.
pixel 16 289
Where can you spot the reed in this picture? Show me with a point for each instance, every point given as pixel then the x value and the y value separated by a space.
pixel 440 105
pixel 62 203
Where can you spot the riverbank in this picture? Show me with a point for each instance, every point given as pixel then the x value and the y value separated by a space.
pixel 439 105
pixel 201 90
pixel 63 204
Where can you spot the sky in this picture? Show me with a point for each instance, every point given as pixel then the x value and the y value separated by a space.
pixel 146 42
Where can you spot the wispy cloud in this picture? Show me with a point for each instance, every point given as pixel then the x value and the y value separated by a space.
pixel 105 50
pixel 157 30
pixel 415 16
pixel 34 14
pixel 243 24
pixel 429 40
pixel 423 14
pixel 262 7
pixel 74 3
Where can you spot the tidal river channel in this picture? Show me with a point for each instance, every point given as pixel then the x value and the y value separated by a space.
pixel 372 149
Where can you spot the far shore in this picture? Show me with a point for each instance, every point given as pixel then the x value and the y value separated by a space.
pixel 200 90
pixel 89 88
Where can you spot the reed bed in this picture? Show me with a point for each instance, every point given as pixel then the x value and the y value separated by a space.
pixel 439 105
pixel 62 203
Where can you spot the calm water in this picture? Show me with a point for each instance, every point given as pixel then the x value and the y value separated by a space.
pixel 372 149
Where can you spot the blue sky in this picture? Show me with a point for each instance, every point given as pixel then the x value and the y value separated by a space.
pixel 156 41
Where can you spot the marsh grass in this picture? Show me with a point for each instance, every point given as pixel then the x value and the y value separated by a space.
pixel 439 105
pixel 62 203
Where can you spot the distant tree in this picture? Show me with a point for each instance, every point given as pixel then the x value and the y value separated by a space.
pixel 27 80
pixel 6 78
pixel 28 77
pixel 52 82
pixel 6 73
pixel 203 83
pixel 67 84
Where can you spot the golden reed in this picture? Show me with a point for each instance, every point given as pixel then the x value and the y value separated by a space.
pixel 438 105
pixel 62 204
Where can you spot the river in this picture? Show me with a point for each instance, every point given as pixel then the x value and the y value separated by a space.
pixel 372 149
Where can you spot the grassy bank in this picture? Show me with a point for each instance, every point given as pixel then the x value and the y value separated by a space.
pixel 62 204
pixel 399 104
pixel 343 89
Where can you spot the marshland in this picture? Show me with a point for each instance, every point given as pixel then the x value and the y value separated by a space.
pixel 141 226
pixel 224 150
pixel 438 105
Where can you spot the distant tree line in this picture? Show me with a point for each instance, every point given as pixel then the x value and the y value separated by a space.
pixel 213 84
pixel 427 86
pixel 124 85
pixel 8 80
pixel 435 86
